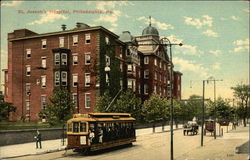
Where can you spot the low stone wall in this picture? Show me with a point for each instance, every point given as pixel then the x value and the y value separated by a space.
pixel 25 136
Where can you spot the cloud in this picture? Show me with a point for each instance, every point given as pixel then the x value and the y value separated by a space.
pixel 215 52
pixel 235 18
pixel 112 19
pixel 216 66
pixel 186 65
pixel 210 33
pixel 189 50
pixel 246 10
pixel 159 25
pixel 198 23
pixel 48 17
pixel 174 39
pixel 241 45
pixel 4 57
pixel 102 5
pixel 242 42
pixel 114 16
pixel 11 4
pixel 239 49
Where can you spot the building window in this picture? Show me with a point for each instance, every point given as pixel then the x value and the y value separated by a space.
pixel 75 59
pixel 28 53
pixel 44 43
pixel 87 59
pixel 160 90
pixel 28 70
pixel 57 78
pixel 43 62
pixel 64 59
pixel 146 74
pixel 165 79
pixel 107 40
pixel 87 79
pixel 75 80
pixel 130 83
pixel 107 60
pixel 155 75
pixel 43 102
pixel 146 60
pixel 74 96
pixel 87 38
pixel 139 89
pixel 57 58
pixel 64 78
pixel 75 40
pixel 165 67
pixel 61 41
pixel 160 77
pixel 27 105
pixel 27 88
pixel 87 100
pixel 130 69
pixel 145 89
pixel 155 89
pixel 155 61
pixel 43 79
pixel 160 64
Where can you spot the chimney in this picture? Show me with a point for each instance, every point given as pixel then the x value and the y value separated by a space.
pixel 63 27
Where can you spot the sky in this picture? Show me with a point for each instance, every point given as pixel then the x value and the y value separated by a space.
pixel 215 34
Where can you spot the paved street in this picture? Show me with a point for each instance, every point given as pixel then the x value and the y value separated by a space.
pixel 156 147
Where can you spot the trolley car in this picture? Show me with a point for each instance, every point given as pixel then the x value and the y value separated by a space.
pixel 96 131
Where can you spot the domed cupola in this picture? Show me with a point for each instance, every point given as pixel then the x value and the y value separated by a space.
pixel 149 30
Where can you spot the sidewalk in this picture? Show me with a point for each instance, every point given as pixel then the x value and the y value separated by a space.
pixel 222 148
pixel 26 149
pixel 20 150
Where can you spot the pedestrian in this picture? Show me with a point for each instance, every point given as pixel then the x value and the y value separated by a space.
pixel 38 138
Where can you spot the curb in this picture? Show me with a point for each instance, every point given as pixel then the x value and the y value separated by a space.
pixel 38 153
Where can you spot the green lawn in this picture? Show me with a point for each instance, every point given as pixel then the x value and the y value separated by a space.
pixel 25 125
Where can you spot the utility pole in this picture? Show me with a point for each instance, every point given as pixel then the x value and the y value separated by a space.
pixel 203 112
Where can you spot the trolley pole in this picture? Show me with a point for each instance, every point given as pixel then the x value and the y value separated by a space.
pixel 203 112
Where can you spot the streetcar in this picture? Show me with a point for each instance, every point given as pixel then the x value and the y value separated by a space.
pixel 97 131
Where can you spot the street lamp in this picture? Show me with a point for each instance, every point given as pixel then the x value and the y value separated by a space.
pixel 163 41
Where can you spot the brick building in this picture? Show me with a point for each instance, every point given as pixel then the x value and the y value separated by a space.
pixel 74 59
pixel 87 61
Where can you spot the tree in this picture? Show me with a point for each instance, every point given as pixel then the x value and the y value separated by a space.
pixel 155 110
pixel 127 102
pixel 192 107
pixel 5 109
pixel 103 102
pixel 221 109
pixel 61 107
pixel 242 92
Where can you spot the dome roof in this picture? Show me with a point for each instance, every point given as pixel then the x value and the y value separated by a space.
pixel 149 30
pixel 126 37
